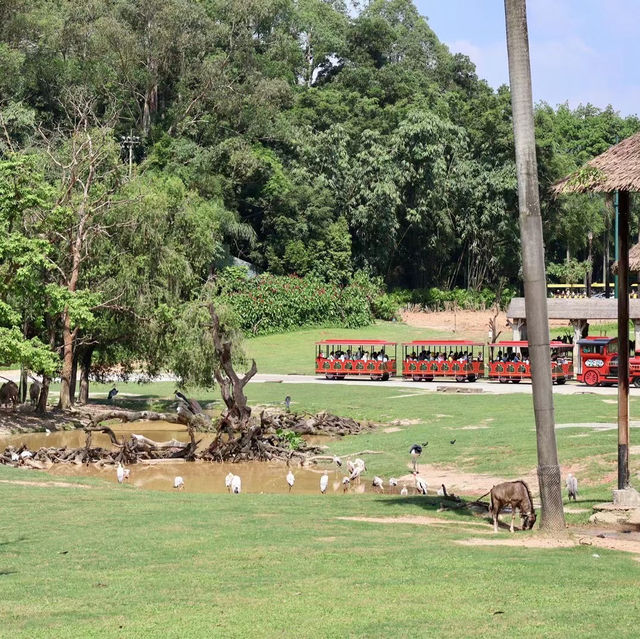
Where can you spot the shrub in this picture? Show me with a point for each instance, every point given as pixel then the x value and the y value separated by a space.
pixel 436 299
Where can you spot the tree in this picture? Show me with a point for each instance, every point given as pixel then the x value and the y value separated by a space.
pixel 533 264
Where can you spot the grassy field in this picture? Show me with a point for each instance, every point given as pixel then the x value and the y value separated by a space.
pixel 88 559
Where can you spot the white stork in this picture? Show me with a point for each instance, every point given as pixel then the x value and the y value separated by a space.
pixel 345 484
pixel 404 492
pixel 393 481
pixel 26 454
pixel 350 466
pixel 421 484
pixel 415 451
pixel 236 485
pixel 378 484
pixel 324 482
pixel 120 473
pixel 337 461
pixel 291 480
pixel 359 463
pixel 178 483
pixel 227 481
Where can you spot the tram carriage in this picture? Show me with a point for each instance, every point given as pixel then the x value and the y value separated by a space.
pixel 509 362
pixel 425 360
pixel 375 358
pixel 599 362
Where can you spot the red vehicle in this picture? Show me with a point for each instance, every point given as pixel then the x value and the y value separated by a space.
pixel 509 362
pixel 599 362
pixel 424 360
pixel 337 358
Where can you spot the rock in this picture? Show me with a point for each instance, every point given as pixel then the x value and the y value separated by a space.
pixel 626 497
pixel 608 518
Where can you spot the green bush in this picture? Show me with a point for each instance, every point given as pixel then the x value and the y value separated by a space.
pixel 278 303
pixel 436 299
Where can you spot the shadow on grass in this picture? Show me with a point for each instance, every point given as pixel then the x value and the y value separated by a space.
pixel 462 509
pixel 8 542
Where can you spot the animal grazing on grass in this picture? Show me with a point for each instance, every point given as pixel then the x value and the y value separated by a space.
pixel 517 495
pixel 572 487
pixel 178 483
pixel 324 482
pixel 34 391
pixel 291 480
pixel 9 394
pixel 236 485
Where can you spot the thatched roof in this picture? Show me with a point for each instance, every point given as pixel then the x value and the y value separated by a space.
pixel 617 169
pixel 588 308
pixel 634 260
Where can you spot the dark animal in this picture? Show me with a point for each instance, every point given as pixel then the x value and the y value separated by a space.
pixel 287 403
pixel 9 394
pixel 517 495
pixel 452 442
pixel 112 393
pixel 34 391
pixel 415 451
pixel 190 404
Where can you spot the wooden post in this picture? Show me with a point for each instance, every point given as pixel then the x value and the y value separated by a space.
pixel 623 340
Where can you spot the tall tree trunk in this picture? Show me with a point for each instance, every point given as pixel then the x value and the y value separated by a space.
pixel 74 376
pixel 41 408
pixel 67 362
pixel 85 367
pixel 535 289
pixel 24 382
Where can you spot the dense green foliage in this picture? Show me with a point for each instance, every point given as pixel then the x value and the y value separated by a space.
pixel 297 135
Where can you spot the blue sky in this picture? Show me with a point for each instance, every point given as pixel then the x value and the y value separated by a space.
pixel 581 50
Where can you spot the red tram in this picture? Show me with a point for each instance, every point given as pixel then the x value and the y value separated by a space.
pixel 509 362
pixel 337 358
pixel 599 362
pixel 424 360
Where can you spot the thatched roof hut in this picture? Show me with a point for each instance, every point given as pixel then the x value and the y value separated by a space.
pixel 634 260
pixel 617 169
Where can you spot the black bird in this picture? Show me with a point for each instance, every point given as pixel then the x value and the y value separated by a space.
pixel 415 451
pixel 190 404
pixel 112 393
pixel 287 403
pixel 452 442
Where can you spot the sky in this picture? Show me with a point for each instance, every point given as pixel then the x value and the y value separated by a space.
pixel 582 51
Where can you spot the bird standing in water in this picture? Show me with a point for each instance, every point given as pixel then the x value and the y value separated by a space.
pixel 324 482
pixel 378 484
pixel 345 484
pixel 178 483
pixel 227 481
pixel 290 480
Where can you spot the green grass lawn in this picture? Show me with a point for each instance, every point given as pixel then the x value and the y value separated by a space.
pixel 112 561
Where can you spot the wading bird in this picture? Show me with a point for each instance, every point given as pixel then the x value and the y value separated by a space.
pixel 572 487
pixel 421 484
pixel 377 483
pixel 236 485
pixel 345 484
pixel 324 482
pixel 337 461
pixel 287 403
pixel 350 466
pixel 291 480
pixel 404 492
pixel 120 473
pixel 227 481
pixel 359 463
pixel 112 394
pixel 178 483
pixel 393 481
pixel 186 406
pixel 415 451
pixel 355 475
pixel 15 457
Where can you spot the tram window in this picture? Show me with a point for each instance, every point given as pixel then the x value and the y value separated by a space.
pixel 591 348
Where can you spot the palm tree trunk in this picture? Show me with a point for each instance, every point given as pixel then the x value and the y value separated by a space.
pixel 535 289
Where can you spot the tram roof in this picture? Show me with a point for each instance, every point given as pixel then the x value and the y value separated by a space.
pixel 349 342
pixel 597 340
pixel 524 344
pixel 442 342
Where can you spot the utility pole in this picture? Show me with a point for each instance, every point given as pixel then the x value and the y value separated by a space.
pixel 535 289
pixel 128 142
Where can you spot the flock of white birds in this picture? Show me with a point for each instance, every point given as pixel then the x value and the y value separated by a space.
pixel 355 469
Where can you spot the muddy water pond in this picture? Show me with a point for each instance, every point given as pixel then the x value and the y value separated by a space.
pixel 199 477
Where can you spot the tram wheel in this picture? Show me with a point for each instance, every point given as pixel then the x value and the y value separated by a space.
pixel 516 381
pixel 376 378
pixel 385 377
pixel 636 382
pixel 561 380
pixel 427 379
pixel 503 380
pixel 330 376
pixel 460 378
pixel 591 378
pixel 471 378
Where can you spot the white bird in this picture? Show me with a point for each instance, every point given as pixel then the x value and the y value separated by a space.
pixel 120 473
pixel 441 492
pixel 236 485
pixel 404 492
pixel 337 460
pixel 360 463
pixel 355 475
pixel 127 472
pixel 15 457
pixel 572 487
pixel 393 481
pixel 324 482
pixel 178 483
pixel 350 466
pixel 378 483
pixel 345 484
pixel 227 481
pixel 415 451
pixel 291 480
pixel 421 484
pixel 47 432
pixel 26 454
